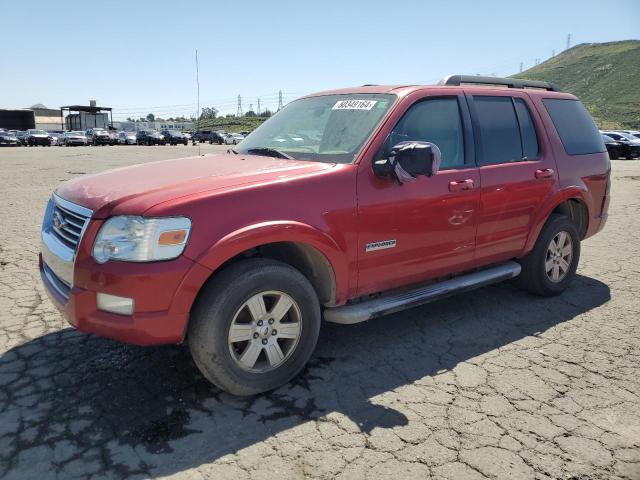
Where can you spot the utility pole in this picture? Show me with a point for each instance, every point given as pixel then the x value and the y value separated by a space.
pixel 521 65
pixel 568 41
pixel 258 107
pixel 280 100
pixel 239 112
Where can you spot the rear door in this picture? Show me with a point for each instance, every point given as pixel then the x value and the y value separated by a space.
pixel 517 171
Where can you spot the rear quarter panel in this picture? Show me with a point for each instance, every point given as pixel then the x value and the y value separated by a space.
pixel 582 177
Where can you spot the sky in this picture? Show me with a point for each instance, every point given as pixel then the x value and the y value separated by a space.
pixel 139 57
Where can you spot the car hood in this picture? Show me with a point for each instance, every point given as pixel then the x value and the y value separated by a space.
pixel 135 189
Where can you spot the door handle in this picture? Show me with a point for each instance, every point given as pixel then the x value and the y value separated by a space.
pixel 544 173
pixel 462 185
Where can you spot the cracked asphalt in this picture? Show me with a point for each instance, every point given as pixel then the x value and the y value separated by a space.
pixel 491 384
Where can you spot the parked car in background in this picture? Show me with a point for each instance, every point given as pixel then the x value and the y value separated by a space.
pixel 69 139
pixel 37 137
pixel 635 133
pixel 113 137
pixel 8 139
pixel 174 137
pixel 233 138
pixel 614 148
pixel 22 136
pixel 55 138
pixel 188 135
pixel 126 138
pixel 201 135
pixel 150 137
pixel 631 143
pixel 98 136
pixel 216 138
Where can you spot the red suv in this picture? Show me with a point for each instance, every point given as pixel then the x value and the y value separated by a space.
pixel 347 205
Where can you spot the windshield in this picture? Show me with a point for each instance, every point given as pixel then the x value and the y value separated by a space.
pixel 37 132
pixel 329 128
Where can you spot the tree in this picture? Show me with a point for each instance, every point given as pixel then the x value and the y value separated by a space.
pixel 129 119
pixel 151 117
pixel 142 119
pixel 250 113
pixel 208 113
pixel 266 113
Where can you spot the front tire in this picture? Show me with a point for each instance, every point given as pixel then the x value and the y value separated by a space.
pixel 551 266
pixel 254 326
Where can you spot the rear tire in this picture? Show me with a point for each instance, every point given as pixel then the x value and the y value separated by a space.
pixel 551 266
pixel 228 301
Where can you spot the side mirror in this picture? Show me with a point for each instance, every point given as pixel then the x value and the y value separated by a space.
pixel 407 160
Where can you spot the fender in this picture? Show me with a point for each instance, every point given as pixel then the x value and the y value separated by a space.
pixel 253 236
pixel 576 192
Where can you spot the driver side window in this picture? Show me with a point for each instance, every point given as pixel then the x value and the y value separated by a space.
pixel 437 121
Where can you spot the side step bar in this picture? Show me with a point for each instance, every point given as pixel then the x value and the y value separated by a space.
pixel 360 312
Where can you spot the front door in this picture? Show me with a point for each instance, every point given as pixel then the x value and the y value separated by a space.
pixel 517 172
pixel 425 228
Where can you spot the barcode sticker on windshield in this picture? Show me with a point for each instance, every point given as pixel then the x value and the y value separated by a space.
pixel 354 105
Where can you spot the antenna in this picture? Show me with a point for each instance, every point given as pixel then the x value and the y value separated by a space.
pixel 198 84
pixel 280 100
pixel 239 112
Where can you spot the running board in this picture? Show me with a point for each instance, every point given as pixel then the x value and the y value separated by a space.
pixel 360 312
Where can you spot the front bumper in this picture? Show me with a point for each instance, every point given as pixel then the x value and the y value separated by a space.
pixel 102 140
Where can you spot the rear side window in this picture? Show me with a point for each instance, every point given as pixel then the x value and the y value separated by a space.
pixel 575 126
pixel 499 130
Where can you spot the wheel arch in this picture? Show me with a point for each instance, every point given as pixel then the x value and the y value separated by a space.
pixel 305 248
pixel 570 202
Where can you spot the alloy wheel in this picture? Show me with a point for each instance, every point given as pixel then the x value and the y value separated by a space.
pixel 265 331
pixel 559 256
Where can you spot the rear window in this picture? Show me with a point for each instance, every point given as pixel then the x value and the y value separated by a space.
pixel 575 126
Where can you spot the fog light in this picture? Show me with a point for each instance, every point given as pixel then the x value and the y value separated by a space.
pixel 115 304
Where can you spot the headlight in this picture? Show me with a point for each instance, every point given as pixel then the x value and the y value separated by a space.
pixel 139 239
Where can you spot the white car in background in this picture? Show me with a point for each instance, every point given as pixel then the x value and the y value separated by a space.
pixel 126 138
pixel 69 139
pixel 233 138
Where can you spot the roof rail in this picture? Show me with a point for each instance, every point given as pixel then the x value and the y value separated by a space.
pixel 458 80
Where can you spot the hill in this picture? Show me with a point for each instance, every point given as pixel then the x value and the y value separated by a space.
pixel 231 124
pixel 605 76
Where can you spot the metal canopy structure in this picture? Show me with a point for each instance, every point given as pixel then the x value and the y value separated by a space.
pixel 87 109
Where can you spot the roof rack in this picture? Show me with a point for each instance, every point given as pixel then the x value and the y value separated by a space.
pixel 458 80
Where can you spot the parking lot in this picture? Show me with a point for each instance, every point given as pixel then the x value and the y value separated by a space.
pixel 491 384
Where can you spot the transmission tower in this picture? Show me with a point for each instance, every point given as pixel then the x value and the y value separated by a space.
pixel 521 64
pixel 280 100
pixel 239 113
pixel 568 41
pixel 251 107
pixel 553 53
pixel 537 61
pixel 258 107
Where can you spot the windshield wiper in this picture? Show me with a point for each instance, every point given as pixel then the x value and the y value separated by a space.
pixel 270 152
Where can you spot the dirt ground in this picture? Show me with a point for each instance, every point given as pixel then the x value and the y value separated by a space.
pixel 491 384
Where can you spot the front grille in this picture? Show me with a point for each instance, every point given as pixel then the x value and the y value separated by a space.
pixel 67 225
